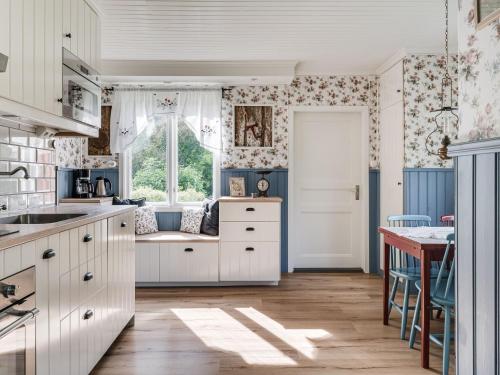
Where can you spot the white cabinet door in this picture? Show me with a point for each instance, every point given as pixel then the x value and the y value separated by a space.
pixel 75 343
pixel 58 44
pixel 147 264
pixel 16 50
pixel 49 61
pixel 39 83
pixel 5 46
pixel 28 52
pixel 391 86
pixel 250 261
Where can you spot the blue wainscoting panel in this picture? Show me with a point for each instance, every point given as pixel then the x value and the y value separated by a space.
pixel 169 220
pixel 278 179
pixel 111 174
pixel 374 219
pixel 429 191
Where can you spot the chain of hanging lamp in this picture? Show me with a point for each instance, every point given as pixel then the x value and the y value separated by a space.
pixel 442 152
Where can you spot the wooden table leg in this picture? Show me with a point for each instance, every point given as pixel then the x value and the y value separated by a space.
pixel 387 248
pixel 425 270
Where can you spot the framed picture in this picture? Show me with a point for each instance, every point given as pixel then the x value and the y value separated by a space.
pixel 237 186
pixel 100 146
pixel 486 12
pixel 253 126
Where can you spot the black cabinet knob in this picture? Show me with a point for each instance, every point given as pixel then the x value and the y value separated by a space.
pixel 124 224
pixel 250 209
pixel 189 249
pixel 88 238
pixel 60 100
pixel 249 249
pixel 250 229
pixel 49 253
pixel 88 314
pixel 88 276
pixel 67 35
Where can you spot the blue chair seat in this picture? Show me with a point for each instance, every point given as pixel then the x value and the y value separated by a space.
pixel 411 273
pixel 438 296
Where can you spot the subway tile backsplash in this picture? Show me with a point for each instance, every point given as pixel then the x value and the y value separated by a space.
pixel 19 146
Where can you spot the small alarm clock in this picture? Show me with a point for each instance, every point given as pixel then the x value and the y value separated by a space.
pixel 263 184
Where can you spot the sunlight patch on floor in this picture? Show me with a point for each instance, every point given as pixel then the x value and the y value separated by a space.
pixel 219 330
pixel 299 339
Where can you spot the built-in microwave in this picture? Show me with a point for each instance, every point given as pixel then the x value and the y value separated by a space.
pixel 17 323
pixel 81 91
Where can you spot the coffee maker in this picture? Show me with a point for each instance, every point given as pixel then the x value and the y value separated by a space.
pixel 83 187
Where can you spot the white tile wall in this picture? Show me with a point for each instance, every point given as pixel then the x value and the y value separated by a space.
pixel 19 146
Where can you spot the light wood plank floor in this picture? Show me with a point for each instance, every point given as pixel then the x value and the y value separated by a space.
pixel 310 324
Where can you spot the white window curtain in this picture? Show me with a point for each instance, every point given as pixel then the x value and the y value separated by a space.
pixel 201 112
pixel 132 112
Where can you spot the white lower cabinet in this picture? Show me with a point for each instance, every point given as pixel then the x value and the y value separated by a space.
pixel 189 262
pixel 85 293
pixel 249 261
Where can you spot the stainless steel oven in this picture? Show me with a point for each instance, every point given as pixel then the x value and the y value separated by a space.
pixel 17 324
pixel 81 91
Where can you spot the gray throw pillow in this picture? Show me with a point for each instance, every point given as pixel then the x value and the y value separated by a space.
pixel 210 222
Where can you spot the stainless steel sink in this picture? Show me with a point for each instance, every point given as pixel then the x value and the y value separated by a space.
pixel 37 218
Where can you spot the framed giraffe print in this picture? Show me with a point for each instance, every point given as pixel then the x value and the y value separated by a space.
pixel 253 126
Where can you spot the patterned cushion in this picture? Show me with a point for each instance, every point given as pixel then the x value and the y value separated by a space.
pixel 145 220
pixel 191 220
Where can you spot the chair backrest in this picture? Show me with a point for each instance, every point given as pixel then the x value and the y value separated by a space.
pixel 409 221
pixel 447 265
pixel 397 257
pixel 447 220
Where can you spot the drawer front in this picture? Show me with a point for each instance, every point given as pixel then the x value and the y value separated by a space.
pixel 189 262
pixel 250 261
pixel 250 231
pixel 251 211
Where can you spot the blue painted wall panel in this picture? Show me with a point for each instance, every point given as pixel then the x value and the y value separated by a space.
pixel 429 191
pixel 374 219
pixel 65 180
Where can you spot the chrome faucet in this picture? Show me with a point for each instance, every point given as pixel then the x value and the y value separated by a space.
pixel 15 170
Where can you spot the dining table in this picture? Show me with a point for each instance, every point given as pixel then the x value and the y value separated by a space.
pixel 426 244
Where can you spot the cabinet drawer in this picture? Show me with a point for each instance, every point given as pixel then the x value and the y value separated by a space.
pixel 184 262
pixel 250 261
pixel 250 231
pixel 249 211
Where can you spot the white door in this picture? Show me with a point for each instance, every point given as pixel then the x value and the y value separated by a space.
pixel 326 208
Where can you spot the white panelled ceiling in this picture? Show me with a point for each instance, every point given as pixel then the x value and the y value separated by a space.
pixel 324 36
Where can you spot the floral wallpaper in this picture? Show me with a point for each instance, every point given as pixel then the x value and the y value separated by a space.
pixel 422 75
pixel 303 91
pixel 479 76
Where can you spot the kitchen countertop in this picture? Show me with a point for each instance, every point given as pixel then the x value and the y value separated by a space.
pixel 31 232
pixel 86 200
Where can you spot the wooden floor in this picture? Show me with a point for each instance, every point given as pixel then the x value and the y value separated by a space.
pixel 310 324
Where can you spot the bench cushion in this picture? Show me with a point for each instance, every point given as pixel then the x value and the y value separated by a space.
pixel 174 236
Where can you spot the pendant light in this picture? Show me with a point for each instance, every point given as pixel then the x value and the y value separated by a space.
pixel 446 118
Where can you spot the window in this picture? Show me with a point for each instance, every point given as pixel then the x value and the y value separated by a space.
pixel 168 165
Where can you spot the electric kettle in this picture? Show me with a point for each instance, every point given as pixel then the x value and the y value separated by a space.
pixel 100 187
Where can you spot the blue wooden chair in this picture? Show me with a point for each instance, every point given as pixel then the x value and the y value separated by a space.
pixel 442 297
pixel 403 267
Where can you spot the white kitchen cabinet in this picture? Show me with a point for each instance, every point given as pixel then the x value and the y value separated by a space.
pixel 189 262
pixel 391 86
pixel 250 236
pixel 147 263
pixel 32 34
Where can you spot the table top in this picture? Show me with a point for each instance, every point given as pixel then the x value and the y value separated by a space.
pixel 420 235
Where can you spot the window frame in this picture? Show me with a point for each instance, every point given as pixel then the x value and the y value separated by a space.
pixel 171 204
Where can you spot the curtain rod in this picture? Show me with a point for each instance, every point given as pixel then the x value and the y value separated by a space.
pixel 115 88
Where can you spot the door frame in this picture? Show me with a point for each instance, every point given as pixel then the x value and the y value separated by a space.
pixel 365 188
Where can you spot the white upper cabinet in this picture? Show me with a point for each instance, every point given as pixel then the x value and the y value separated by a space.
pixel 32 34
pixel 391 86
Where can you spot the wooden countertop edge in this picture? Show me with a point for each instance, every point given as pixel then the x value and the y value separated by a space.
pixel 250 199
pixel 43 230
pixel 177 237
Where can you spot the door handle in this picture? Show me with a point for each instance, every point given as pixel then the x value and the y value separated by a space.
pixel 356 192
pixel 88 276
pixel 88 238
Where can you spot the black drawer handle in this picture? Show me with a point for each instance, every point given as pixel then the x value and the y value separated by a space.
pixel 249 249
pixel 88 314
pixel 124 224
pixel 250 229
pixel 47 254
pixel 88 276
pixel 249 209
pixel 68 35
pixel 87 238
pixel 189 249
